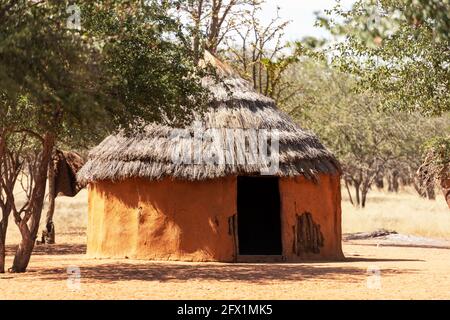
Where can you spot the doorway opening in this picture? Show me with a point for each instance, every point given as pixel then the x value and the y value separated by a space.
pixel 259 221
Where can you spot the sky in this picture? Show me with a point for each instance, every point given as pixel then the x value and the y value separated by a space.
pixel 301 14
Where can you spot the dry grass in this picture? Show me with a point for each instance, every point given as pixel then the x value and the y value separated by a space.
pixel 70 220
pixel 404 212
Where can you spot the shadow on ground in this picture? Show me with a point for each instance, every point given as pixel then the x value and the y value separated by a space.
pixel 253 273
pixel 258 273
pixel 52 250
pixel 356 258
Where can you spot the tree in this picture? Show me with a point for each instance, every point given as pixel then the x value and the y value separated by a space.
pixel 399 49
pixel 257 52
pixel 62 180
pixel 370 142
pixel 211 22
pixel 437 164
pixel 149 69
pixel 120 71
pixel 13 147
pixel 47 69
pixel 260 53
pixel 10 167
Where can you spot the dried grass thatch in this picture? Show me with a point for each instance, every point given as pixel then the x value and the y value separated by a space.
pixel 234 105
pixel 66 165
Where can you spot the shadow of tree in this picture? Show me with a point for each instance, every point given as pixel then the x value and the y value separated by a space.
pixel 254 273
pixel 126 270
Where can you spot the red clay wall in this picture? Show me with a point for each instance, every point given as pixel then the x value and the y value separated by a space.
pixel 323 202
pixel 177 220
pixel 164 220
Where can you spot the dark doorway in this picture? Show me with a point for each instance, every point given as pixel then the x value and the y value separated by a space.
pixel 259 222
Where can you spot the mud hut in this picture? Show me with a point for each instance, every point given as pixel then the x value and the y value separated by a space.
pixel 145 203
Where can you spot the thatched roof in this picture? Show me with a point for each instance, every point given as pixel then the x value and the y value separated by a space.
pixel 234 105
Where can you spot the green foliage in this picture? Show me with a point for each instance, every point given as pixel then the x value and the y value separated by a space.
pixel 50 65
pixel 148 65
pixel 398 49
pixel 434 14
pixel 352 124
pixel 438 151
pixel 128 65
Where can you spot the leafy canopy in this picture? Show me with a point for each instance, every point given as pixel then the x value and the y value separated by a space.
pixel 127 65
pixel 398 49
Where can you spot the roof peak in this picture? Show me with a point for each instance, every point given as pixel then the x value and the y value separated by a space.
pixel 223 69
pixel 227 85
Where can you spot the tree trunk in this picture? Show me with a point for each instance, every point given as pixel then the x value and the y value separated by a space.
pixel 357 189
pixel 24 250
pixel 48 234
pixel 364 197
pixel 349 193
pixel 395 184
pixel 418 188
pixel 379 183
pixel 431 195
pixel 29 231
pixel 2 255
pixel 3 229
pixel 197 17
pixel 445 185
pixel 214 27
pixel 6 210
pixel 364 191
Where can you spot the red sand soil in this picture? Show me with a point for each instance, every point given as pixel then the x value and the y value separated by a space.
pixel 405 273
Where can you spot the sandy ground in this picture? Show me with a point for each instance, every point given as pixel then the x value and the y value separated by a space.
pixel 370 272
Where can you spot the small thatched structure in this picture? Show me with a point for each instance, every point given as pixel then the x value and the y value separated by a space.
pixel 66 164
pixel 144 204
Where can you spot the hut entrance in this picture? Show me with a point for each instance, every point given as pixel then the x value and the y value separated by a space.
pixel 259 221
